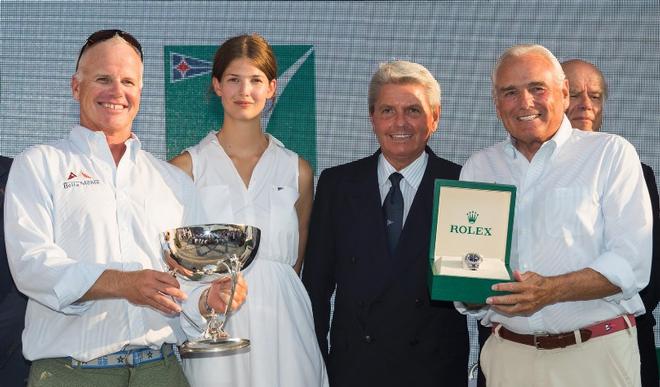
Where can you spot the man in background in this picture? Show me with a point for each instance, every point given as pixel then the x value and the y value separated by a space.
pixel 588 93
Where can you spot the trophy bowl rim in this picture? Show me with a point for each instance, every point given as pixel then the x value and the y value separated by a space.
pixel 171 244
pixel 201 225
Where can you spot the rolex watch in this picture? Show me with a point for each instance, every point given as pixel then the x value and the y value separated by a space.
pixel 471 261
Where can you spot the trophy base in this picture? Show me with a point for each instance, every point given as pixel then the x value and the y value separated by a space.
pixel 211 347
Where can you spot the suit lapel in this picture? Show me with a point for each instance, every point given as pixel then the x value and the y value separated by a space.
pixel 415 234
pixel 364 204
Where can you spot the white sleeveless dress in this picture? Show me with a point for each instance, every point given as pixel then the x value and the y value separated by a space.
pixel 277 315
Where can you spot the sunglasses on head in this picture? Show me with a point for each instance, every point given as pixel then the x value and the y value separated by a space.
pixel 103 35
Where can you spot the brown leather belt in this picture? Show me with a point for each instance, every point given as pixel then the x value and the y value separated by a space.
pixel 562 340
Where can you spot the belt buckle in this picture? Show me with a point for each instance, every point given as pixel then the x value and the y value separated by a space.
pixel 537 336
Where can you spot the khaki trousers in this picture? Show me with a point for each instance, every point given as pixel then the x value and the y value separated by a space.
pixel 610 360
pixel 58 372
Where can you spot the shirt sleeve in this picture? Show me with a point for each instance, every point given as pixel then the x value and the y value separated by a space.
pixel 41 269
pixel 626 209
pixel 477 313
pixel 467 171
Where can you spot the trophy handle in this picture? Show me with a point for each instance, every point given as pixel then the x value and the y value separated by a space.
pixel 215 328
pixel 190 320
pixel 172 272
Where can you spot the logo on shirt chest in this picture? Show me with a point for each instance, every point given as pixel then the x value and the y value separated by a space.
pixel 470 228
pixel 79 179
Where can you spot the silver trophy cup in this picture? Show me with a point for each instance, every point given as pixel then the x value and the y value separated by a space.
pixel 205 253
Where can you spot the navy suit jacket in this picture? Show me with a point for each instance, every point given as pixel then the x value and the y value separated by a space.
pixel 13 368
pixel 385 329
pixel 651 293
pixel 6 282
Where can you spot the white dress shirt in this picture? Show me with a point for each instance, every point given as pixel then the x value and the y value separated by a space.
pixel 580 203
pixel 412 177
pixel 70 214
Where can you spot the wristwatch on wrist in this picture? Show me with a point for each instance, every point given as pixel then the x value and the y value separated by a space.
pixel 207 308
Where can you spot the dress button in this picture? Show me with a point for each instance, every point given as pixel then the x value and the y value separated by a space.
pixel 367 339
pixel 353 259
pixel 414 342
pixel 418 302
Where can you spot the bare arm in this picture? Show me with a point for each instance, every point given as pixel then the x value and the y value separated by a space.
pixel 532 291
pixel 303 208
pixel 143 287
pixel 217 295
pixel 184 162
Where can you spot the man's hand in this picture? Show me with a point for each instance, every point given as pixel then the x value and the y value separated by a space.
pixel 143 287
pixel 220 291
pixel 530 293
pixel 153 288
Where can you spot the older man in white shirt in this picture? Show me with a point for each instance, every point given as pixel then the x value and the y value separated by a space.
pixel 82 222
pixel 581 248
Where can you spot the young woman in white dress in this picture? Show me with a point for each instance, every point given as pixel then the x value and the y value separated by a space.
pixel 248 177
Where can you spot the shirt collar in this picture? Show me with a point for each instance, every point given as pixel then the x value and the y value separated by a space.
pixel 412 174
pixel 556 142
pixel 213 137
pixel 94 143
pixel 564 132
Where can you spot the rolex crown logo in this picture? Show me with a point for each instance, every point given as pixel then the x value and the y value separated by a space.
pixel 471 228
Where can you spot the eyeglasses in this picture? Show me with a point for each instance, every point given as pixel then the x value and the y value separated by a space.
pixel 103 35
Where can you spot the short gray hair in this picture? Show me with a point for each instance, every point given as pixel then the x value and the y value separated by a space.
pixel 404 72
pixel 520 50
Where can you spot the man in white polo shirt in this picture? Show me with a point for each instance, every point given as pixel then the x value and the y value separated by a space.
pixel 581 247
pixel 82 220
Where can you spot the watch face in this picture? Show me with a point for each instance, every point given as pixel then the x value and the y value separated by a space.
pixel 472 261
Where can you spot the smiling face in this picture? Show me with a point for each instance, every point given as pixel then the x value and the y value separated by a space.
pixel 403 121
pixel 243 90
pixel 108 85
pixel 530 100
pixel 587 94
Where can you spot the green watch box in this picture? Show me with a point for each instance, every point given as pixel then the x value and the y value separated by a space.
pixel 470 239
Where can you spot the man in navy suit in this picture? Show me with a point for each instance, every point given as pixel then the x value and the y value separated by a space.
pixel 588 92
pixel 13 367
pixel 369 240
